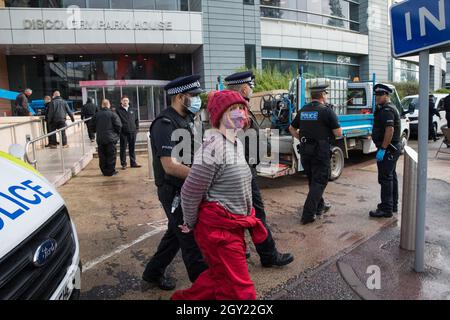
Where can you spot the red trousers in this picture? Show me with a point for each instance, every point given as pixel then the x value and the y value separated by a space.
pixel 221 239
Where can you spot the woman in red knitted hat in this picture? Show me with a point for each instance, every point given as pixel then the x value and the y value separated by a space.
pixel 217 205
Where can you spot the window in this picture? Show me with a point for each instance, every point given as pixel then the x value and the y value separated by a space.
pixel 249 2
pixel 334 13
pixel 100 4
pixel 122 4
pixel 315 63
pixel 144 4
pixel 250 56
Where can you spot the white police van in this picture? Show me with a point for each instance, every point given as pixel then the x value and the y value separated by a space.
pixel 39 250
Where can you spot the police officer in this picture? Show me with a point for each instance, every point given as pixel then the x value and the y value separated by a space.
pixel 316 126
pixel 386 136
pixel 170 173
pixel 243 82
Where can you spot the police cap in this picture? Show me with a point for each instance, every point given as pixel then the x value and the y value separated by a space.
pixel 241 78
pixel 188 84
pixel 318 88
pixel 381 89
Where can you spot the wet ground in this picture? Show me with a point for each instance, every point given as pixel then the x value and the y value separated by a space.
pixel 120 223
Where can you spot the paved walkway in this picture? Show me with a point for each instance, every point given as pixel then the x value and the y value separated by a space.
pixel 74 157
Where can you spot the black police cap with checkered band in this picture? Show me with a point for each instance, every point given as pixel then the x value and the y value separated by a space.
pixel 188 84
pixel 381 89
pixel 241 78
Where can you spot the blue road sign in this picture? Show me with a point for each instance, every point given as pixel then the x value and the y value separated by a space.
pixel 419 25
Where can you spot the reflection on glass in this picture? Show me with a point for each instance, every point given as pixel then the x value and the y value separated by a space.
pixel 122 4
pixel 144 4
pixel 113 95
pixel 146 107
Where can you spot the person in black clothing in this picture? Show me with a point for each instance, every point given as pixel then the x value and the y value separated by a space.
pixel 21 108
pixel 243 82
pixel 316 126
pixel 107 125
pixel 47 100
pixel 58 110
pixel 130 126
pixel 447 116
pixel 170 173
pixel 386 136
pixel 88 111
pixel 432 112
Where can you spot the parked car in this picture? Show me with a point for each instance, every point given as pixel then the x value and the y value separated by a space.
pixel 414 117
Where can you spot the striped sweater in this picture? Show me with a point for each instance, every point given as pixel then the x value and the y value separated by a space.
pixel 219 174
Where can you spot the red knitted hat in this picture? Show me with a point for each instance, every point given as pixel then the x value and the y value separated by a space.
pixel 220 101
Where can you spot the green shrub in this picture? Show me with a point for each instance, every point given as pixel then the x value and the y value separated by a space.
pixel 443 90
pixel 270 79
pixel 406 88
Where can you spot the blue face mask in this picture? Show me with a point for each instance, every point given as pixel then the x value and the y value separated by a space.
pixel 195 105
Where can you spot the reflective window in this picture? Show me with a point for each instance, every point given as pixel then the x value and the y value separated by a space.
pixel 122 4
pixel 98 4
pixel 144 4
pixel 336 13
pixel 314 63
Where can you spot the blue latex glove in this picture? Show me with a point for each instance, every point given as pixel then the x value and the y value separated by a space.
pixel 380 154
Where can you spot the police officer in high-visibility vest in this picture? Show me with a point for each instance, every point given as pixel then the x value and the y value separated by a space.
pixel 170 172
pixel 386 136
pixel 316 126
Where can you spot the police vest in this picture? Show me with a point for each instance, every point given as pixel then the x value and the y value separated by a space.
pixel 313 122
pixel 161 177
pixel 379 128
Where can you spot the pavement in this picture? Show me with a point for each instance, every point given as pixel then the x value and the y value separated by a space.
pixel 120 222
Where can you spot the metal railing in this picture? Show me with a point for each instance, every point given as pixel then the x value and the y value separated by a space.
pixel 32 143
pixel 12 127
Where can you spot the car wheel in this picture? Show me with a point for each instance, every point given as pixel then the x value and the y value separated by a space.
pixel 403 142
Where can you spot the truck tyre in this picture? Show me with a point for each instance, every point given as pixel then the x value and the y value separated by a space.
pixel 336 162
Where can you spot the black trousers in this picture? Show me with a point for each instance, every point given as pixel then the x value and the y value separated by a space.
pixel 266 250
pixel 432 134
pixel 91 133
pixel 130 140
pixel 387 178
pixel 107 154
pixel 55 126
pixel 174 240
pixel 316 163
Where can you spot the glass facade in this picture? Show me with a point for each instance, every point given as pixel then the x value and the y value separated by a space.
pixel 314 63
pixel 335 13
pixel 65 72
pixel 406 71
pixel 177 5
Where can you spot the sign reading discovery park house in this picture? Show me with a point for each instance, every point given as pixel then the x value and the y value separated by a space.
pixel 49 24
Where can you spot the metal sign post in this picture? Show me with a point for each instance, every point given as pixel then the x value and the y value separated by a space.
pixel 422 167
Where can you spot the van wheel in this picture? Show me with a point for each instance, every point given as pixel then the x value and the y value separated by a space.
pixel 337 163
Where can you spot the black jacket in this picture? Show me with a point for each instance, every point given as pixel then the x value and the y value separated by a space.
pixel 107 125
pixel 447 106
pixel 130 119
pixel 21 106
pixel 88 110
pixel 58 110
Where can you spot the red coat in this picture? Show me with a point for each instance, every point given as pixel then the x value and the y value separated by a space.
pixel 220 236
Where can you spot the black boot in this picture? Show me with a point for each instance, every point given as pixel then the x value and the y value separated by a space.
pixel 163 282
pixel 326 207
pixel 279 260
pixel 380 214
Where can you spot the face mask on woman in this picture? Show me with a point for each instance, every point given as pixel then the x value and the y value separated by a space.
pixel 237 119
pixel 193 104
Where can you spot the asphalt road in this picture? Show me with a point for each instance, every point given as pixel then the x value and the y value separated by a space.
pixel 120 222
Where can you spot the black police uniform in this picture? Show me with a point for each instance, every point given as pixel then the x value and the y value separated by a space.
pixel 107 125
pixel 169 187
pixel 130 127
pixel 387 116
pixel 267 250
pixel 315 122
pixel 432 134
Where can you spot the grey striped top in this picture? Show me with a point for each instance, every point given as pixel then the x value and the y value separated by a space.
pixel 219 174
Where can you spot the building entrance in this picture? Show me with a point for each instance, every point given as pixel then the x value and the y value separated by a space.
pixel 147 96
